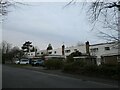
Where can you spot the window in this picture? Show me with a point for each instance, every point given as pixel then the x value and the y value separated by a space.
pixel 50 52
pixel 41 52
pixel 55 52
pixel 75 49
pixel 94 49
pixel 37 53
pixel 107 48
pixel 67 51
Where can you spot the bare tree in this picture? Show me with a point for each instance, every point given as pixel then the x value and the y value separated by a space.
pixel 79 43
pixel 106 14
pixel 105 17
pixel 6 47
pixel 4 4
pixel 14 53
pixel 8 52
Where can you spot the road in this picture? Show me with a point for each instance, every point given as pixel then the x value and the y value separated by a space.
pixel 22 78
pixel 0 76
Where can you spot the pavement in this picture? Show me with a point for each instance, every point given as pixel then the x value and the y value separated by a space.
pixel 55 74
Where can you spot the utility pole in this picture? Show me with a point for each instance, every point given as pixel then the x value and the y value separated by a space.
pixel 118 31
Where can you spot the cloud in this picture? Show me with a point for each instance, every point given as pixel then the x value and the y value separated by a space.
pixel 46 23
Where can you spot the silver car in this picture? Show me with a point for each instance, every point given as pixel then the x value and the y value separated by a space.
pixel 17 62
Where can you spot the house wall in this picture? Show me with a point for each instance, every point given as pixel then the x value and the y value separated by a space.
pixel 81 48
pixel 29 54
pixel 101 50
pixel 110 59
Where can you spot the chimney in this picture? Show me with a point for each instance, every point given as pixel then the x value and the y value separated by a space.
pixel 87 48
pixel 63 49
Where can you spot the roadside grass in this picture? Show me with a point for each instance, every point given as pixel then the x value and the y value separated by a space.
pixel 21 65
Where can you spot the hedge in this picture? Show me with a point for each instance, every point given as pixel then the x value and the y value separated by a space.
pixel 109 71
pixel 54 64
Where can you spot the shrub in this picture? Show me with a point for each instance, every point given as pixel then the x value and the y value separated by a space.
pixel 91 68
pixel 54 64
pixel 70 59
pixel 70 67
pixel 108 70
pixel 79 63
pixel 76 66
pixel 108 65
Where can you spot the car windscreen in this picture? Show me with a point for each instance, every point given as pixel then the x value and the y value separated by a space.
pixel 24 60
pixel 34 61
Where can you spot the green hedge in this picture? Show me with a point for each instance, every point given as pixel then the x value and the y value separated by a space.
pixel 54 64
pixel 70 67
pixel 109 71
pixel 76 66
pixel 112 71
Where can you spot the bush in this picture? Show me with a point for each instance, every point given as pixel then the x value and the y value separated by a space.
pixel 108 65
pixel 79 63
pixel 54 64
pixel 76 66
pixel 91 68
pixel 108 70
pixel 70 67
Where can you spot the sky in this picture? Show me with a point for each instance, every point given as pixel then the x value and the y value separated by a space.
pixel 48 22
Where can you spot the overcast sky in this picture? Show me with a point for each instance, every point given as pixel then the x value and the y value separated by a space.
pixel 48 22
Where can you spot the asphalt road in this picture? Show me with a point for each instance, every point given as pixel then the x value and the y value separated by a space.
pixel 22 78
pixel 0 76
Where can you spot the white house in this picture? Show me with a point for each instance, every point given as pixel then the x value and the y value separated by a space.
pixel 98 50
pixel 103 49
pixel 67 50
pixel 29 54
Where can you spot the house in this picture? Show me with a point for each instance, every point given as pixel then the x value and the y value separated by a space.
pixel 105 52
pixel 29 54
pixel 102 52
pixel 57 57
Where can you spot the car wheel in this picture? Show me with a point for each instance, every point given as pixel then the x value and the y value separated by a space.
pixel 37 64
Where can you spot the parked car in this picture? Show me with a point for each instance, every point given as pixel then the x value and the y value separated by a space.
pixel 38 62
pixel 17 62
pixel 24 61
